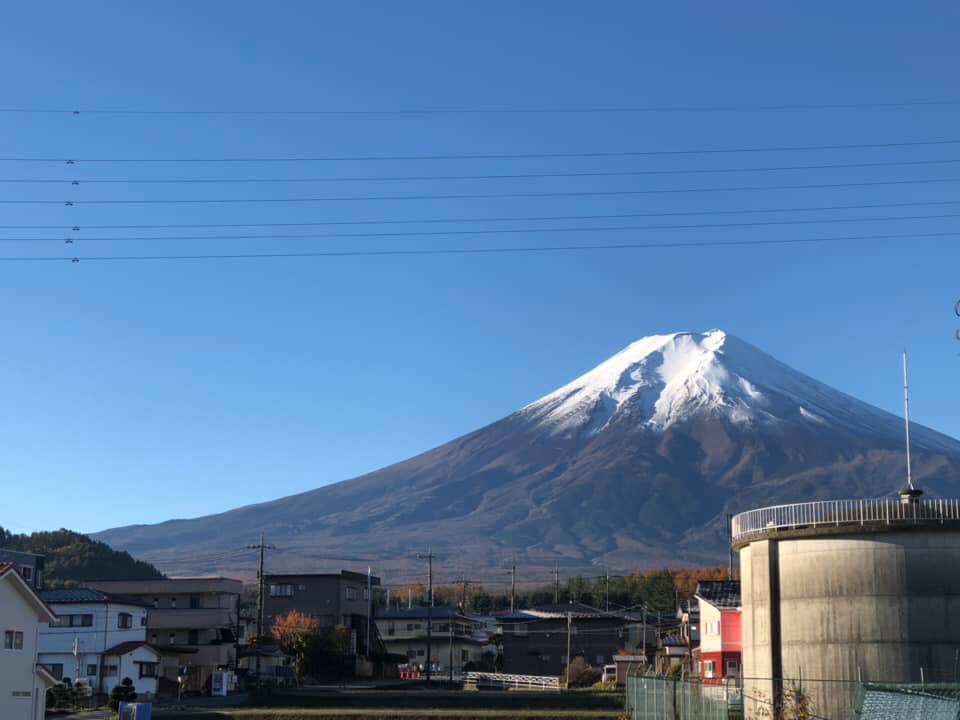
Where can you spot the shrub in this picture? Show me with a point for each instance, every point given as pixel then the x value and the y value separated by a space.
pixel 581 674
pixel 124 692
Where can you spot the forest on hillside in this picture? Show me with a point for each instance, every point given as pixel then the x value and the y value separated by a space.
pixel 73 558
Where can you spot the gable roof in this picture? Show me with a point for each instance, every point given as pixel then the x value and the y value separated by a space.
pixel 87 595
pixel 8 572
pixel 722 594
pixel 125 647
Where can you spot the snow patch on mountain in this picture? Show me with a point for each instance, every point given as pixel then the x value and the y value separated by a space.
pixel 662 379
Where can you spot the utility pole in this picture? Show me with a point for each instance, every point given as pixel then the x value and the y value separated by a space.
pixel 369 609
pixel 606 575
pixel 569 630
pixel 556 584
pixel 429 558
pixel 513 584
pixel 261 547
pixel 452 620
pixel 463 594
pixel 409 598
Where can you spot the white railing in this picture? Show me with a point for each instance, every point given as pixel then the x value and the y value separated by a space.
pixel 838 513
pixel 505 680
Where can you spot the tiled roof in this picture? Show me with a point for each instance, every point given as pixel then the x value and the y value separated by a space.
pixel 4 566
pixel 86 595
pixel 125 647
pixel 723 594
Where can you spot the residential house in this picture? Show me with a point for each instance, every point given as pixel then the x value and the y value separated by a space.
pixel 535 641
pixel 333 598
pixel 672 650
pixel 192 621
pixel 454 642
pixel 718 657
pixel 29 566
pixel 23 681
pixel 92 637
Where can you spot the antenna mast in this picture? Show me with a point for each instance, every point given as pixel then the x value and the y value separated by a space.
pixel 906 417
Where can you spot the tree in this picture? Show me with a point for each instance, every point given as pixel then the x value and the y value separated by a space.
pixel 124 692
pixel 290 629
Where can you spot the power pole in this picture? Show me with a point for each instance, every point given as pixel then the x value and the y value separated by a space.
pixel 452 620
pixel 556 584
pixel 569 629
pixel 429 558
pixel 463 594
pixel 606 575
pixel 369 609
pixel 513 584
pixel 261 547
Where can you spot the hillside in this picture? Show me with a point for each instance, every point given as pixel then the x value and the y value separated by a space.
pixel 72 558
pixel 635 464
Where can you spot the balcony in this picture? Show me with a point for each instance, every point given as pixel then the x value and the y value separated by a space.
pixel 190 619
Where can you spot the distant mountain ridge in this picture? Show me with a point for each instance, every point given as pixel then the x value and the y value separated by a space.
pixel 634 464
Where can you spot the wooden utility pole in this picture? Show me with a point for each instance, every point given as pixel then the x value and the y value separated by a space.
pixel 260 547
pixel 513 584
pixel 569 631
pixel 429 558
pixel 556 584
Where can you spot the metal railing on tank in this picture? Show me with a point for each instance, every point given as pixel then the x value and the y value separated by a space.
pixel 838 513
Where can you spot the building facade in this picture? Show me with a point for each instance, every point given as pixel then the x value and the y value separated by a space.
pixel 333 598
pixel 191 621
pixel 534 641
pixel 90 624
pixel 454 642
pixel 23 681
pixel 29 566
pixel 718 656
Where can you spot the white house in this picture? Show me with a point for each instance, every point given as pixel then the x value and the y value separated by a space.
pixel 23 683
pixel 100 638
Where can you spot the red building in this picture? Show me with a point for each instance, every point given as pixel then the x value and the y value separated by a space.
pixel 719 656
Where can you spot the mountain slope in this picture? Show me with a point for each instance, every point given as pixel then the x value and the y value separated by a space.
pixel 635 463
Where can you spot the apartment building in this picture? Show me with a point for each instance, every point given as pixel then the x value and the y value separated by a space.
pixel 192 621
pixel 334 598
pixel 454 642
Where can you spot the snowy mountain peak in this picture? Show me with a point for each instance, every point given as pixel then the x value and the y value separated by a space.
pixel 659 380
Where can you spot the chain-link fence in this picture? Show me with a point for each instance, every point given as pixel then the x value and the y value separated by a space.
pixel 661 698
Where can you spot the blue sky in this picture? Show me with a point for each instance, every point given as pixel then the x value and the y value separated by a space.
pixel 137 392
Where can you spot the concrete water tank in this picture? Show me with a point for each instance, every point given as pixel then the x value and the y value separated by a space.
pixel 839 592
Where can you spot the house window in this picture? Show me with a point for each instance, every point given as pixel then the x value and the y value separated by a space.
pixel 91 670
pixel 55 669
pixel 601 660
pixel 193 637
pixel 351 593
pixel 173 603
pixel 464 655
pixel 85 620
pixel 195 602
pixel 420 653
pixel 143 621
pixel 733 668
pixel 156 602
pixel 281 590
pixel 124 621
pixel 391 629
pixel 109 670
pixel 12 640
pixel 27 572
pixel 411 654
pixel 709 668
pixel 148 669
pixel 172 638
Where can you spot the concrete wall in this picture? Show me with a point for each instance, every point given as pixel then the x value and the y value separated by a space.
pixel 880 606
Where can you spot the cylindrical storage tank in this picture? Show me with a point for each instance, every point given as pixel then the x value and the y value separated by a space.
pixel 831 604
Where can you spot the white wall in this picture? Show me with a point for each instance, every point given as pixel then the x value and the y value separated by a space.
pixel 128 667
pixel 17 667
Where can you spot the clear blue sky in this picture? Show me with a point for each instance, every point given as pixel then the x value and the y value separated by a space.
pixel 137 392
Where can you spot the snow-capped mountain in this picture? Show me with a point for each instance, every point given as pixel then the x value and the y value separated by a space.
pixel 635 463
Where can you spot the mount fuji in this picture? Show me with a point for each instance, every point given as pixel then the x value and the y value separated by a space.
pixel 634 464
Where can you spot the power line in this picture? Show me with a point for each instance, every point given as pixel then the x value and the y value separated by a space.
pixel 501 176
pixel 486 156
pixel 514 218
pixel 475 251
pixel 493 231
pixel 542 110
pixel 478 196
